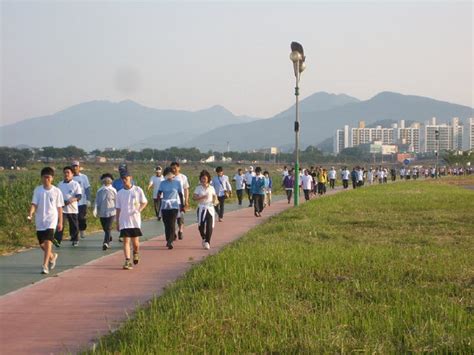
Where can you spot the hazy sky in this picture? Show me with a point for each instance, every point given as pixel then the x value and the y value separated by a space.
pixel 192 55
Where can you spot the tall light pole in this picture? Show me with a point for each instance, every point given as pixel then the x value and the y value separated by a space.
pixel 297 57
pixel 437 152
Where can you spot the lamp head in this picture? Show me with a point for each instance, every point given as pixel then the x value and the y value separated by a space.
pixel 297 57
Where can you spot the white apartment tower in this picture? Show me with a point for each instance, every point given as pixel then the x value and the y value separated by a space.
pixel 341 140
pixel 449 136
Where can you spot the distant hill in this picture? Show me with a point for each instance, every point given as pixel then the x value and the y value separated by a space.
pixel 126 124
pixel 318 125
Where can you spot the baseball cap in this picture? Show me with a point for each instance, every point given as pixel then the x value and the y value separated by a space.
pixel 124 173
pixel 75 163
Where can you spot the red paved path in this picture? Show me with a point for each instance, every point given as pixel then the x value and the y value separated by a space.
pixel 67 313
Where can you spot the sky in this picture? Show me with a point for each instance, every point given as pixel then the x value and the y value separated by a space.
pixel 193 55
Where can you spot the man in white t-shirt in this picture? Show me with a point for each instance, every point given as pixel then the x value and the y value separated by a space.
pixel 248 182
pixel 47 205
pixel 307 183
pixel 239 179
pixel 85 200
pixel 155 182
pixel 72 193
pixel 131 201
pixel 345 175
pixel 332 177
pixel 185 187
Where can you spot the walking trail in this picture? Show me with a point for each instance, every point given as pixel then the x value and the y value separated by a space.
pixel 70 311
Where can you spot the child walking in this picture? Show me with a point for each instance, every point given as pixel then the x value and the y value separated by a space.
pixel 131 201
pixel 47 206
pixel 104 207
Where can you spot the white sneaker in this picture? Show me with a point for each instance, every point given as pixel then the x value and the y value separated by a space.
pixel 52 263
pixel 81 233
pixel 44 270
pixel 203 243
pixel 207 246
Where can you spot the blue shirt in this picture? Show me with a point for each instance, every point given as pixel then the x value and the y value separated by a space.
pixel 172 194
pixel 117 184
pixel 258 185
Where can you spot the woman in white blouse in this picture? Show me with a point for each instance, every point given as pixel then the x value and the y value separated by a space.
pixel 206 197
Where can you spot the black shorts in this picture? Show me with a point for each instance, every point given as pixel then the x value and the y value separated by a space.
pixel 47 234
pixel 130 233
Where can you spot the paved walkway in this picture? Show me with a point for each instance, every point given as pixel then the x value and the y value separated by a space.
pixel 67 313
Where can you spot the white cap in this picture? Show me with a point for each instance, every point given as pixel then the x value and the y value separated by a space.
pixel 251 168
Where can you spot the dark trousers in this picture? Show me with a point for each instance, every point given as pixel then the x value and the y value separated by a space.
pixel 288 194
pixel 106 223
pixel 72 220
pixel 321 188
pixel 157 205
pixel 258 203
pixel 205 226
pixel 240 195
pixel 220 207
pixel 332 183
pixel 169 220
pixel 247 188
pixel 82 217
pixel 306 194
pixel 354 184
pixel 345 183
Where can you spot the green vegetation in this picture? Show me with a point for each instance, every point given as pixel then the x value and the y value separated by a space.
pixel 16 191
pixel 386 269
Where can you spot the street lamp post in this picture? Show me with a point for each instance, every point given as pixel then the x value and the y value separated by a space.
pixel 297 57
pixel 437 152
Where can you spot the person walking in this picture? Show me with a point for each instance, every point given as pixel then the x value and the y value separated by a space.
pixel 322 181
pixel 289 184
pixel 105 207
pixel 258 191
pixel 183 179
pixel 47 206
pixel 239 179
pixel 332 177
pixel 223 189
pixel 171 199
pixel 268 188
pixel 85 200
pixel 72 193
pixel 354 176
pixel 345 174
pixel 248 182
pixel 155 182
pixel 206 197
pixel 307 182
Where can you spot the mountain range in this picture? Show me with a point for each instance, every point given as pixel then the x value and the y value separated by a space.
pixel 127 124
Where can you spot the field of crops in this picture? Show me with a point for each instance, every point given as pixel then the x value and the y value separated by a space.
pixel 16 190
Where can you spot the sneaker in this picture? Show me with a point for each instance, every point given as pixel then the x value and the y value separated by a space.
pixel 180 235
pixel 221 219
pixel 169 245
pixel 52 262
pixel 105 246
pixel 75 243
pixel 127 265
pixel 56 243
pixel 207 246
pixel 136 258
pixel 81 233
pixel 44 270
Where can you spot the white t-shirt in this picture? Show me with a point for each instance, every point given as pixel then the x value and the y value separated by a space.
pixel 306 181
pixel 360 175
pixel 156 181
pixel 208 192
pixel 345 174
pixel 84 183
pixel 128 201
pixel 70 189
pixel 332 174
pixel 239 182
pixel 248 177
pixel 184 184
pixel 47 203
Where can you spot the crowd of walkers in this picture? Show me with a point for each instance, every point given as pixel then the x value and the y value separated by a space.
pixel 122 201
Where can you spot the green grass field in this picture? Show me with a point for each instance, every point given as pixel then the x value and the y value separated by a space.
pixel 387 269
pixel 16 191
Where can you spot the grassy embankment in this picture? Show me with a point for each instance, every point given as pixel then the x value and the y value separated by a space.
pixel 387 270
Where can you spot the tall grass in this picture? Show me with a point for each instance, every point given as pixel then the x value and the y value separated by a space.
pixel 382 270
